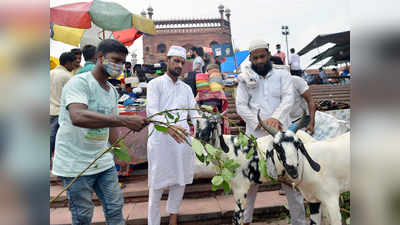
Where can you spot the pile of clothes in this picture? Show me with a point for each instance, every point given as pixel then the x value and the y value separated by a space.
pixel 324 105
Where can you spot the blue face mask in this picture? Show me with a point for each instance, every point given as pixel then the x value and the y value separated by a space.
pixel 113 69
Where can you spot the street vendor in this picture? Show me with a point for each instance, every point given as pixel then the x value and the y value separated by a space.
pixel 170 158
pixel 270 90
pixel 88 121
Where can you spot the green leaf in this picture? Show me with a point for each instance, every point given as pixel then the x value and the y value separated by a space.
pixel 227 175
pixel 228 162
pixel 122 145
pixel 214 188
pixel 217 180
pixel 227 187
pixel 263 168
pixel 253 140
pixel 96 166
pixel 207 108
pixel 197 147
pixel 286 206
pixel 348 221
pixel 161 128
pixel 208 160
pixel 287 219
pixel 235 165
pixel 250 154
pixel 200 158
pixel 211 150
pixel 121 154
pixel 308 213
pixel 169 115
pixel 243 140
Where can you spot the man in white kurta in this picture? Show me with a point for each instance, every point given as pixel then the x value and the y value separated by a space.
pixel 170 159
pixel 270 90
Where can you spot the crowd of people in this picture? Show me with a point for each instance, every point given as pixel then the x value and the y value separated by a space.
pixel 84 118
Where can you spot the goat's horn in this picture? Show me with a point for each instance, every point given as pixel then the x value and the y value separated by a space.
pixel 270 129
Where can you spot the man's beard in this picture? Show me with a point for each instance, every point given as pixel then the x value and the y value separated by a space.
pixel 262 68
pixel 175 72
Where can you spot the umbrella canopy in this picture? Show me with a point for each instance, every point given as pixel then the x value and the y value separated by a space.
pixel 336 38
pixel 337 52
pixel 69 22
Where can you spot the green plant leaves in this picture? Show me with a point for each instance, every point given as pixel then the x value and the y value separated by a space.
pixel 161 128
pixel 250 154
pixel 217 180
pixel 207 108
pixel 197 147
pixel 121 154
pixel 262 166
pixel 243 140
pixel 227 187
pixel 227 174
pixel 211 150
pixel 169 115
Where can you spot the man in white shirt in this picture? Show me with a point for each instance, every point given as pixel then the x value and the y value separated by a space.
pixel 198 62
pixel 294 63
pixel 59 76
pixel 170 159
pixel 270 90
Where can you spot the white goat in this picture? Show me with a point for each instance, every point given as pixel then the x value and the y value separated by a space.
pixel 208 129
pixel 320 182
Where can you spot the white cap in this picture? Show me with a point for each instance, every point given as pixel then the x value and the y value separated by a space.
pixel 177 51
pixel 257 44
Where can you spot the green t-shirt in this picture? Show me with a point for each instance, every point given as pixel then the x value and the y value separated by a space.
pixel 75 146
pixel 86 68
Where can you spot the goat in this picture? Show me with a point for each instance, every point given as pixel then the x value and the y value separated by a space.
pixel 208 129
pixel 324 180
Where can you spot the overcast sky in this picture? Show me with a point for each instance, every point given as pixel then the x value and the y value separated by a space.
pixel 251 19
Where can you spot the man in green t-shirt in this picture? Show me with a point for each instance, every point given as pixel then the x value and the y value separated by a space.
pixel 89 54
pixel 88 119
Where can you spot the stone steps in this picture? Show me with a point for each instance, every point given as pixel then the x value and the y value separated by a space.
pixel 209 210
pixel 136 190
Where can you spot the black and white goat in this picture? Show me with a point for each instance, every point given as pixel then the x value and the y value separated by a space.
pixel 208 129
pixel 326 177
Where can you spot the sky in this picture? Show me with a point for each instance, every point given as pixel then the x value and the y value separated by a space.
pixel 251 19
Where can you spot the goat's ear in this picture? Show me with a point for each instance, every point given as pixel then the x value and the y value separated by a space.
pixel 314 165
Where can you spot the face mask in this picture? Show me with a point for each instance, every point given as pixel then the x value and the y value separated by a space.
pixel 113 69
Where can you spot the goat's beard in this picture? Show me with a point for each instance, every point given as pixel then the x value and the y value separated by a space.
pixel 262 68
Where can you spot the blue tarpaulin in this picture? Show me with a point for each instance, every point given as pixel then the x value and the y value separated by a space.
pixel 229 64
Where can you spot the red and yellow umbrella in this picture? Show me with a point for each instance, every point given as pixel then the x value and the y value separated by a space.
pixel 71 22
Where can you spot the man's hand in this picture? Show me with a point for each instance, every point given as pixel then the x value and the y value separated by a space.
pixel 123 167
pixel 272 122
pixel 310 129
pixel 135 122
pixel 178 133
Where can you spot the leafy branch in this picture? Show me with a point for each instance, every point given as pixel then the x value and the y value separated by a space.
pixel 120 152
pixel 225 166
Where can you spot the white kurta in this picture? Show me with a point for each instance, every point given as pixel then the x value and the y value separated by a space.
pixel 273 95
pixel 169 163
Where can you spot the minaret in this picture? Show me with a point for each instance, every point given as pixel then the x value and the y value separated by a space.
pixel 228 14
pixel 143 13
pixel 150 12
pixel 221 11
